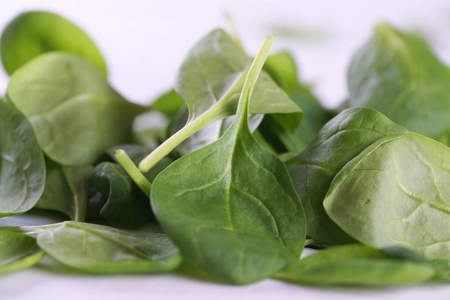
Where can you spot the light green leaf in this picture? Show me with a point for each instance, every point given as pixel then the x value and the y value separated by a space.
pixel 231 206
pixel 338 142
pixel 17 251
pixel 396 193
pixel 75 114
pixel 100 249
pixel 356 265
pixel 36 32
pixel 22 166
pixel 399 75
pixel 126 206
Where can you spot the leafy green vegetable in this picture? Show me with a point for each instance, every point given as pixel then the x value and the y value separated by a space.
pixel 399 75
pixel 126 206
pixel 36 32
pixel 22 166
pixel 231 206
pixel 101 249
pixel 312 171
pixel 75 114
pixel 66 190
pixel 17 251
pixel 169 103
pixel 283 131
pixel 356 265
pixel 396 192
pixel 209 81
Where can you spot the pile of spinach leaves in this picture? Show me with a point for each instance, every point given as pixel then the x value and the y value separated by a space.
pixel 233 171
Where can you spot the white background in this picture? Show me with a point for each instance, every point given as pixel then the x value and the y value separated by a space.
pixel 145 41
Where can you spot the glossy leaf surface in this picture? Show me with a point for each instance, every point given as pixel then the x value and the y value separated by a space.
pixel 17 251
pixel 231 206
pixel 399 75
pixel 75 113
pixel 396 193
pixel 339 141
pixel 36 32
pixel 102 249
pixel 22 166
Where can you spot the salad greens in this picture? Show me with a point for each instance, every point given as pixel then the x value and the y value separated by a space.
pixel 234 170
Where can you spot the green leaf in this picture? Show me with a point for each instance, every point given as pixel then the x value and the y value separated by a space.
pixel 231 206
pixel 126 206
pixel 210 81
pixel 396 192
pixel 17 251
pixel 36 32
pixel 22 166
pixel 399 75
pixel 169 103
pixel 100 249
pixel 75 113
pixel 285 132
pixel 339 141
pixel 356 265
pixel 215 70
pixel 66 190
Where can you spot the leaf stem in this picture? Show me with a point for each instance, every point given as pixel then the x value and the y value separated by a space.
pixel 133 171
pixel 213 114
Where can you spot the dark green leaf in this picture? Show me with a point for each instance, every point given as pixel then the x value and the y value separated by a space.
pixel 75 113
pixel 399 75
pixel 100 249
pixel 36 32
pixel 356 265
pixel 339 141
pixel 17 251
pixel 126 206
pixel 231 206
pixel 22 166
pixel 396 193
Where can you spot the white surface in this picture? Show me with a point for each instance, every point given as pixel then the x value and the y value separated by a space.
pixel 144 43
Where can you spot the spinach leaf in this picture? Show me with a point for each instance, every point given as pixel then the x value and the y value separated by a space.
pixel 356 265
pixel 169 103
pixel 126 206
pixel 36 32
pixel 399 75
pixel 22 166
pixel 210 81
pixel 396 192
pixel 66 190
pixel 75 113
pixel 284 131
pixel 231 206
pixel 17 251
pixel 101 249
pixel 338 142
